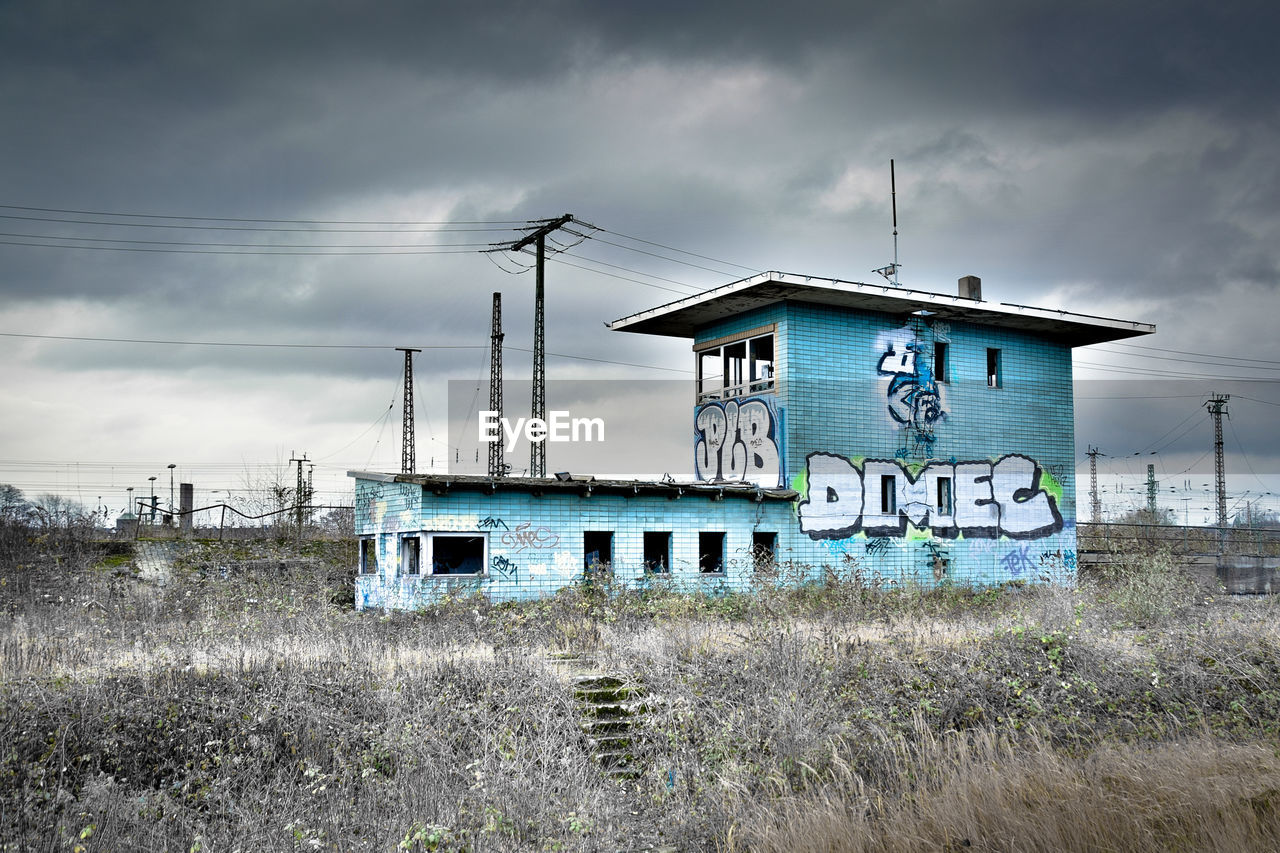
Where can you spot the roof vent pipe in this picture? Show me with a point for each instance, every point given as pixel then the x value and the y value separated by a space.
pixel 971 287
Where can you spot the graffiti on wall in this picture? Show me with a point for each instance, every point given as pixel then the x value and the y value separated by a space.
pixel 981 500
pixel 914 398
pixel 504 568
pixel 738 440
pixel 524 535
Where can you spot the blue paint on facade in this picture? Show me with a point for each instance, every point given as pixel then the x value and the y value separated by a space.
pixel 860 450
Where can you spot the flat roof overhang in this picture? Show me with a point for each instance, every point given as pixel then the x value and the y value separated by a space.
pixel 684 317
pixel 584 486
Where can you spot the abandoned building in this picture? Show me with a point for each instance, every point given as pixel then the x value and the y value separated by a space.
pixel 907 435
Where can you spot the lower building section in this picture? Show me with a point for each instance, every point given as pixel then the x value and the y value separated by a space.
pixel 423 538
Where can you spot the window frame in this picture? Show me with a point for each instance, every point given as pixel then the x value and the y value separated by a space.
pixel 740 374
pixel 368 549
pixel 415 540
pixel 430 558
pixel 888 495
pixel 995 368
pixel 945 489
pixel 941 362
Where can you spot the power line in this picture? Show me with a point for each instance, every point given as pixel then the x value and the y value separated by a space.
pixel 259 219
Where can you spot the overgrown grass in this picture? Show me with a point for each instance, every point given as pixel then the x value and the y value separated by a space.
pixel 242 705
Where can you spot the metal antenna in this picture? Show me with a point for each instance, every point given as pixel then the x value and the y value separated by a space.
pixel 408 451
pixel 496 466
pixel 891 271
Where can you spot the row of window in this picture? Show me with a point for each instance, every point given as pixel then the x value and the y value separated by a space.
pixel 744 367
pixel 942 365
pixel 889 495
pixel 736 369
pixel 468 553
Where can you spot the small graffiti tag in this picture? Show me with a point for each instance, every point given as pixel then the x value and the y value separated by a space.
pixel 1018 561
pixel 491 523
pixel 504 568
pixel 526 536
pixel 878 545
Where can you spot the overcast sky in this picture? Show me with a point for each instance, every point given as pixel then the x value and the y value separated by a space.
pixel 1109 158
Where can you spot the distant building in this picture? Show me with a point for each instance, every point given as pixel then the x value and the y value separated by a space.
pixel 911 436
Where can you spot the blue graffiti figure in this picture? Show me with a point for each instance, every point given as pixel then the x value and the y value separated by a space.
pixel 913 395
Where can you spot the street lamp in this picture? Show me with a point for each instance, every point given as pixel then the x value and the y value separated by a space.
pixel 172 465
pixel 153 498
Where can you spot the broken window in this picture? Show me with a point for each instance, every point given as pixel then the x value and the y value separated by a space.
pixel 736 368
pixel 940 361
pixel 994 379
pixel 410 551
pixel 888 495
pixel 710 374
pixel 764 549
pixel 368 556
pixel 761 355
pixel 711 553
pixel 944 496
pixel 657 552
pixel 458 553
pixel 597 551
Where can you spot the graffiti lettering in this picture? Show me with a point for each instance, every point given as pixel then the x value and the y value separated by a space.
pixel 1003 498
pixel 1018 560
pixel 939 559
pixel 503 567
pixel 737 441
pixel 525 536
pixel 491 523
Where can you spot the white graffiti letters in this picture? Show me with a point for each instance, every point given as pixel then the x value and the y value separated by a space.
pixel 1003 498
pixel 737 441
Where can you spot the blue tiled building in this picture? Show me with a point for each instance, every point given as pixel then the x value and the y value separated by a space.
pixel 906 435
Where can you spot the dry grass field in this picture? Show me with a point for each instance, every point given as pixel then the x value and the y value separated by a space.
pixel 244 706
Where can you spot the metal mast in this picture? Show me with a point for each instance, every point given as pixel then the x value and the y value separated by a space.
pixel 496 466
pixel 408 451
pixel 538 449
pixel 300 499
pixel 1151 492
pixel 1095 505
pixel 1217 406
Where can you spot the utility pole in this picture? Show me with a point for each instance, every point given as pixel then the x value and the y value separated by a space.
pixel 496 465
pixel 300 501
pixel 408 450
pixel 1217 406
pixel 538 449
pixel 1095 505
pixel 1151 492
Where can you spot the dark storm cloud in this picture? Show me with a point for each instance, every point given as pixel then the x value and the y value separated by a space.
pixel 1117 155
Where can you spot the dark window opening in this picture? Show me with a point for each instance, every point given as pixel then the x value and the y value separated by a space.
pixel 764 549
pixel 657 552
pixel 410 550
pixel 711 553
pixel 940 361
pixel 368 556
pixel 457 555
pixel 761 355
pixel 944 496
pixel 597 551
pixel 994 379
pixel 888 495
